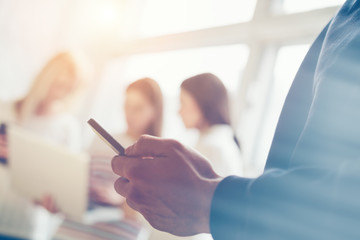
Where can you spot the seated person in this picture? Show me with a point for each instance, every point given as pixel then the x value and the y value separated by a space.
pixel 143 112
pixel 45 111
pixel 45 108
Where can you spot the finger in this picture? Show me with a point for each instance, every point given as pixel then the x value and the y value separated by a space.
pixel 122 164
pixel 150 146
pixel 122 186
pixel 132 205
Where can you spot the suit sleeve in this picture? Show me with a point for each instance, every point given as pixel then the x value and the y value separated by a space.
pixel 317 196
pixel 304 203
pixel 331 133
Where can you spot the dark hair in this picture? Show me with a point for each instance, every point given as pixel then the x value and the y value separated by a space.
pixel 151 90
pixel 212 98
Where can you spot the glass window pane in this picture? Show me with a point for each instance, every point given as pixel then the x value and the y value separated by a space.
pixel 169 69
pixel 292 6
pixel 172 67
pixel 163 16
pixel 287 63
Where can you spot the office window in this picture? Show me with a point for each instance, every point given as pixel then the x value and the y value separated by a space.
pixel 292 6
pixel 287 63
pixel 265 88
pixel 172 67
pixel 164 17
pixel 169 69
pixel 25 48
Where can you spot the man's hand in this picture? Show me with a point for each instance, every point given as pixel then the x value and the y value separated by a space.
pixel 169 184
pixel 104 193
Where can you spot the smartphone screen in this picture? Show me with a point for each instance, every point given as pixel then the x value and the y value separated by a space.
pixel 106 137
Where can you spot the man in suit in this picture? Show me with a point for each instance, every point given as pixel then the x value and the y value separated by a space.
pixel 310 186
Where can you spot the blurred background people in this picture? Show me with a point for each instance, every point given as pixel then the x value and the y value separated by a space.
pixel 205 107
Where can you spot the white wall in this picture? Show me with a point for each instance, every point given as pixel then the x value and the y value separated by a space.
pixel 30 33
pixel 33 31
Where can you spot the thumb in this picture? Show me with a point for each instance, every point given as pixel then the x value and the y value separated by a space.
pixel 148 146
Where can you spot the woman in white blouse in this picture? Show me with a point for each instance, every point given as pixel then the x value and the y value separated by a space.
pixel 205 106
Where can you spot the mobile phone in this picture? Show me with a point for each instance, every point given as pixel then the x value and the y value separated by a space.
pixel 3 159
pixel 106 137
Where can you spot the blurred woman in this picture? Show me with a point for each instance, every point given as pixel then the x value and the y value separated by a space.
pixel 143 110
pixel 205 106
pixel 45 109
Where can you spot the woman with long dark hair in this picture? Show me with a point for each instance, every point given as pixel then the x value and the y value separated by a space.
pixel 205 106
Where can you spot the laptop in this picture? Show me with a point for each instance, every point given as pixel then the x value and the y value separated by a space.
pixel 38 167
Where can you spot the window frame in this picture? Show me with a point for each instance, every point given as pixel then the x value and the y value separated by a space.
pixel 264 34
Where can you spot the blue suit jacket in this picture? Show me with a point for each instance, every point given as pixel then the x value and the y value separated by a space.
pixel 310 188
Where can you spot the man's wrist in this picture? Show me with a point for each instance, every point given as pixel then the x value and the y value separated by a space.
pixel 209 187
